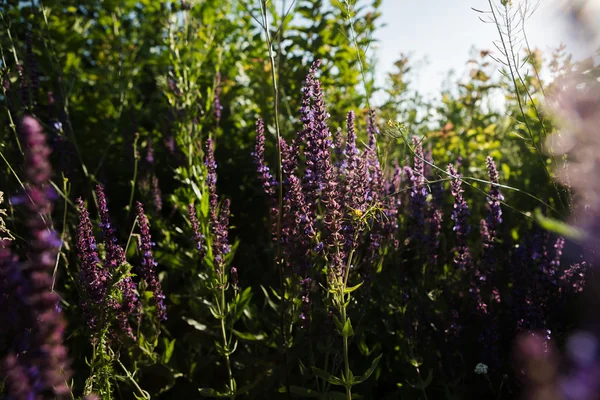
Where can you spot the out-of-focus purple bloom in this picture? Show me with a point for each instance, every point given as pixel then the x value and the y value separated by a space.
pixel 32 68
pixel 573 278
pixel 217 102
pixel 93 277
pixel 150 153
pixel 147 270
pixel 156 194
pixel 576 102
pixel 36 364
pixel 115 257
pixel 460 216
pixel 583 381
pixel 169 143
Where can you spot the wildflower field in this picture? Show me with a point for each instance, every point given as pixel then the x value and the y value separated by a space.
pixel 216 199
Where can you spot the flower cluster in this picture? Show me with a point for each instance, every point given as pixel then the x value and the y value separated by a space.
pixel 329 193
pixel 115 258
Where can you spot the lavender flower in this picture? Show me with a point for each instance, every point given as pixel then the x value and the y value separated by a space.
pixel 267 180
pixel 460 216
pixel 198 237
pixel 211 181
pixel 318 169
pixel 374 167
pixel 36 365
pixel 220 230
pixel 147 270
pixel 264 173
pixel 93 278
pixel 418 193
pixel 323 178
pixel 494 218
pixel 156 194
pixel 115 258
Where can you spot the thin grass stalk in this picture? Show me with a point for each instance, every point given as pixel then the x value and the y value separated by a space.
pixel 275 87
pixel 354 40
pixel 136 158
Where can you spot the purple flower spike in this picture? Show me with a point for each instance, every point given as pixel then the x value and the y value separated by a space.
pixel 220 230
pixel 115 257
pixel 198 237
pixel 94 279
pixel 211 180
pixel 147 270
pixel 494 218
pixel 35 364
pixel 265 177
pixel 217 102
pixel 460 216
pixel 418 192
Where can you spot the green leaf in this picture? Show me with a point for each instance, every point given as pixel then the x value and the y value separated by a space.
pixel 334 380
pixel 557 226
pixel 270 302
pixel 353 288
pixel 169 347
pixel 347 331
pixel 338 323
pixel 248 335
pixel 369 372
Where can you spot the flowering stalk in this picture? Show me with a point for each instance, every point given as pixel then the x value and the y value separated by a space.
pixel 460 215
pixel 148 266
pixel 115 259
pixel 218 255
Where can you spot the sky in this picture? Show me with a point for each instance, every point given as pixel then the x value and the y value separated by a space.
pixel 440 34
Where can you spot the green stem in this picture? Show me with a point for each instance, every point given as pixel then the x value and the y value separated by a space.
pixel 224 334
pixel 134 179
pixel 132 380
pixel 346 360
